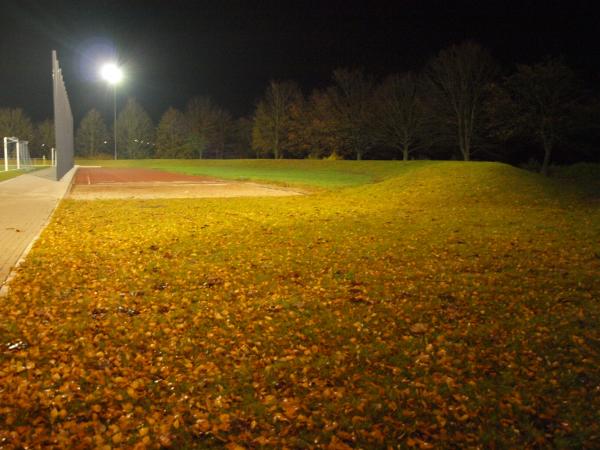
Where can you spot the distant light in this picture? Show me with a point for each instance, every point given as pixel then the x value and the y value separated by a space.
pixel 111 73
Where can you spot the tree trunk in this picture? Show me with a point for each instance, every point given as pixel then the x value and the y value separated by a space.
pixel 93 149
pixel 462 144
pixel 546 162
pixel 466 144
pixel 467 154
pixel 405 153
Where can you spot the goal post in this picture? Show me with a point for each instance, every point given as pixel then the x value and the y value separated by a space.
pixel 16 154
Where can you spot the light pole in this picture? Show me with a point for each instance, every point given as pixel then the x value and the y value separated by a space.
pixel 113 75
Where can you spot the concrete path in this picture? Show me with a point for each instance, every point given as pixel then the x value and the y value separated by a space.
pixel 26 204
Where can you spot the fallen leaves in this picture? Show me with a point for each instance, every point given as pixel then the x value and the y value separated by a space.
pixel 352 323
pixel 419 328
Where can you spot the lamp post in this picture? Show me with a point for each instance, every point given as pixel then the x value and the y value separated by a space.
pixel 113 75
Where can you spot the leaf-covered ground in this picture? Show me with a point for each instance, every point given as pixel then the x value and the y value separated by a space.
pixel 454 306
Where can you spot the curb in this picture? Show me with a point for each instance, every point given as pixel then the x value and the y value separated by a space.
pixel 70 176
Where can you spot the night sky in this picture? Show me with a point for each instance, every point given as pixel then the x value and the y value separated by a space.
pixel 174 50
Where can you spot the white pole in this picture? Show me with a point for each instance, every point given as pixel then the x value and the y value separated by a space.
pixel 18 155
pixel 52 156
pixel 6 154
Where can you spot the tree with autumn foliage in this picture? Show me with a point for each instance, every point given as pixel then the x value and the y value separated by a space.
pixel 135 132
pixel 172 136
pixel 272 119
pixel 91 135
pixel 222 137
pixel 321 136
pixel 352 105
pixel 44 138
pixel 15 122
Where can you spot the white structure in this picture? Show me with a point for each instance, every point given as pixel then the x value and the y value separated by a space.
pixel 16 154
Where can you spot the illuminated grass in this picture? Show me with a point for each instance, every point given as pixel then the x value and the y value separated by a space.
pixel 298 172
pixel 454 305
pixel 10 174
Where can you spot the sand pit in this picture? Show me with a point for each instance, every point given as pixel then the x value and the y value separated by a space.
pixel 103 183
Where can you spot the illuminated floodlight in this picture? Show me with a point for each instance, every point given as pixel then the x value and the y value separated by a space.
pixel 111 73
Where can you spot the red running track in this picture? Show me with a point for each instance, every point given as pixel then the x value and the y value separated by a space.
pixel 88 175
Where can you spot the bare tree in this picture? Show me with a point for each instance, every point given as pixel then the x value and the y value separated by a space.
pixel 457 79
pixel 540 101
pixel 399 114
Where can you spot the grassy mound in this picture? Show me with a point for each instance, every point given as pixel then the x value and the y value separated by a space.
pixel 445 305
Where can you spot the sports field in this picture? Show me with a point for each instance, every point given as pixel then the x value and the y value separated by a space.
pixel 420 304
pixel 140 183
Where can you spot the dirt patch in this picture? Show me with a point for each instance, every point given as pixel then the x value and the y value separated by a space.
pixel 101 183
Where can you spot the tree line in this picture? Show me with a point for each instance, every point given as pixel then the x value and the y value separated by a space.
pixel 461 105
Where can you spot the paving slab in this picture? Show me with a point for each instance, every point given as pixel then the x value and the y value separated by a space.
pixel 26 204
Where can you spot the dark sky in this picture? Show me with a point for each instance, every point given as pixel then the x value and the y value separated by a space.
pixel 173 50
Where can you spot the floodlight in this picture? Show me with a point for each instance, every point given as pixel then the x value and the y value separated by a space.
pixel 111 73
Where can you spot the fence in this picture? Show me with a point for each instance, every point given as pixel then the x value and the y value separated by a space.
pixel 63 121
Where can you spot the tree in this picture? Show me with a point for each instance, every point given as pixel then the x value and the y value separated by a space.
pixel 135 133
pixel 272 118
pixel 201 117
pixel 91 135
pixel 539 101
pixel 172 136
pixel 457 79
pixel 298 141
pixel 242 138
pixel 351 100
pixel 223 132
pixel 44 138
pixel 197 144
pixel 15 123
pixel 314 128
pixel 400 114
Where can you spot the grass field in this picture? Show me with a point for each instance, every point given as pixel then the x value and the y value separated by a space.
pixel 10 174
pixel 15 173
pixel 300 172
pixel 426 305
